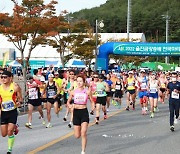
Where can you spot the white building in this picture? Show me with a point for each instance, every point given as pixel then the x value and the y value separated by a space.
pixel 49 53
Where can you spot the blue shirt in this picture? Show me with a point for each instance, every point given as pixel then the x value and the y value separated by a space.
pixel 171 86
pixel 109 82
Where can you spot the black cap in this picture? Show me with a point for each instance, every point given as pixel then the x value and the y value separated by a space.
pixel 101 76
pixel 9 74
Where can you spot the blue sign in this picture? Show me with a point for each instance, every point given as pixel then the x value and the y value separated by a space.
pixel 147 49
pixel 135 49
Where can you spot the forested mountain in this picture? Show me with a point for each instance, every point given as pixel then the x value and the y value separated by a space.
pixel 146 17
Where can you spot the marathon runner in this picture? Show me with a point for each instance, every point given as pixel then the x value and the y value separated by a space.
pixel 33 101
pixel 59 82
pixel 119 90
pixel 52 91
pixel 80 112
pixel 92 88
pixel 131 90
pixel 10 99
pixel 109 94
pixel 101 88
pixel 69 85
pixel 153 86
pixel 174 99
pixel 142 88
pixel 163 86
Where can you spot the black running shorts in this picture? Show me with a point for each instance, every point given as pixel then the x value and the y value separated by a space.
pixel 34 102
pixel 80 116
pixel 101 100
pixel 9 117
pixel 132 91
pixel 118 94
pixel 52 100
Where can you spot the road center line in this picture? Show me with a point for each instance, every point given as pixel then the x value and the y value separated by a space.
pixel 68 135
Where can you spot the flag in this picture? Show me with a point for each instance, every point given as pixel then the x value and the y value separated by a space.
pixel 5 57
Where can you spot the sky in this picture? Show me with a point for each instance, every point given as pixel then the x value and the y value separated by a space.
pixel 69 5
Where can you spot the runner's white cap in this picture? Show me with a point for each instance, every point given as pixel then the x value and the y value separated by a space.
pixel 50 76
pixel 143 71
pixel 130 72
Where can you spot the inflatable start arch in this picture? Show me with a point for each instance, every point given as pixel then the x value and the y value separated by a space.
pixel 134 49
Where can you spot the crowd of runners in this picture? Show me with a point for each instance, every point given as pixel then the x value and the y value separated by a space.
pixel 47 89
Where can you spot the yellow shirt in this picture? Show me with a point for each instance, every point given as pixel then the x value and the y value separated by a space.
pixel 131 84
pixel 8 98
pixel 59 82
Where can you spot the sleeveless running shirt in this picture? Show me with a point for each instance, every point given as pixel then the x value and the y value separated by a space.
pixel 8 98
pixel 33 91
pixel 51 90
pixel 93 89
pixel 153 87
pixel 131 84
pixel 118 86
pixel 143 84
pixel 100 89
pixel 80 97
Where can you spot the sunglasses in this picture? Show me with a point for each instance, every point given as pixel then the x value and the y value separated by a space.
pixel 95 76
pixel 4 77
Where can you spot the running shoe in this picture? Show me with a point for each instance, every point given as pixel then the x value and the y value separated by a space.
pixel 82 152
pixel 64 119
pixel 127 108
pixel 60 108
pixel 114 102
pixel 142 112
pixel 16 130
pixel 172 128
pixel 70 125
pixel 152 115
pixel 28 125
pixel 96 121
pixel 107 109
pixel 175 121
pixel 49 125
pixel 131 103
pixel 92 112
pixel 156 109
pixel 43 122
pixel 105 116
pixel 8 152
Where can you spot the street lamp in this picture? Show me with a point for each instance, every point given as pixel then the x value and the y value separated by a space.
pixel 167 17
pixel 100 25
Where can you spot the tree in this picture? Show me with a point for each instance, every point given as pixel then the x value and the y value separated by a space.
pixel 28 26
pixel 84 44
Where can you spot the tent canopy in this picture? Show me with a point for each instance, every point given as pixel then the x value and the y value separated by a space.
pixel 75 63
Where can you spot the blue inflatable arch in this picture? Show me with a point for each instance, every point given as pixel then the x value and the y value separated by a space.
pixel 134 49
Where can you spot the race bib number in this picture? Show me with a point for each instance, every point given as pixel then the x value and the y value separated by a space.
pixel 143 86
pixel 51 94
pixel 80 98
pixel 100 92
pixel 118 87
pixel 175 95
pixel 153 90
pixel 8 106
pixel 33 94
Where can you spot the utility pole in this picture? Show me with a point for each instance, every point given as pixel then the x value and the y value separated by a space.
pixel 128 19
pixel 167 17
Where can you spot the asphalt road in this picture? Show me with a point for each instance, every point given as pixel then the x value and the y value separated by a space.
pixel 124 132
